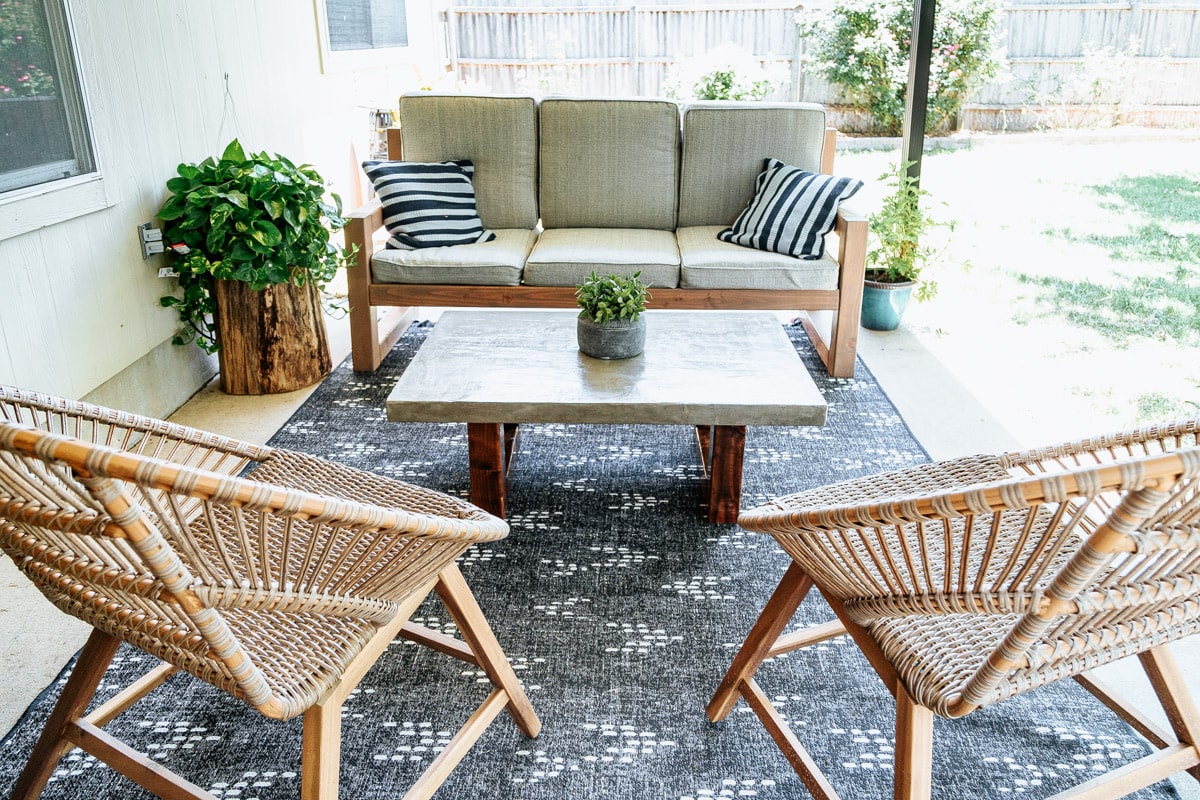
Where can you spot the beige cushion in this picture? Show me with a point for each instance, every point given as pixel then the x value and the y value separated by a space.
pixel 709 263
pixel 495 263
pixel 497 134
pixel 608 163
pixel 724 144
pixel 566 256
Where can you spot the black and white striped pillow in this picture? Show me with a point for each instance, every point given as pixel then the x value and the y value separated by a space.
pixel 427 205
pixel 791 211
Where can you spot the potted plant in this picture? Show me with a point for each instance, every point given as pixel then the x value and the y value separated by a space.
pixel 899 252
pixel 251 235
pixel 610 323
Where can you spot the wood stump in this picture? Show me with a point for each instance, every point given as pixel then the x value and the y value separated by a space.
pixel 272 340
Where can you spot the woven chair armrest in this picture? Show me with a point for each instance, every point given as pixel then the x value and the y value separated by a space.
pixel 125 430
pixel 1107 447
pixel 792 514
pixel 919 480
pixel 469 523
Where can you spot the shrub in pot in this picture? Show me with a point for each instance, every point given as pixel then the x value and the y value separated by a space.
pixel 610 322
pixel 252 239
pixel 899 252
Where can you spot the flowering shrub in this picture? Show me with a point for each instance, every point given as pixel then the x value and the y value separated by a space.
pixel 725 73
pixel 26 62
pixel 863 47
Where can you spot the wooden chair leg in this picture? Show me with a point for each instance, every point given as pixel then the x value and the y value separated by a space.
pixel 1163 672
pixel 77 694
pixel 914 748
pixel 321 752
pixel 456 596
pixel 775 616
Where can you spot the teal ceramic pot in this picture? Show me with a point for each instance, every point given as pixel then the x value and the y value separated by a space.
pixel 617 338
pixel 883 304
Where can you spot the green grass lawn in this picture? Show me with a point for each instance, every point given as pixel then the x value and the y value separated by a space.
pixel 1080 312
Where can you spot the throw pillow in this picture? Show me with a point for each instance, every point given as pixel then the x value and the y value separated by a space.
pixel 791 211
pixel 427 205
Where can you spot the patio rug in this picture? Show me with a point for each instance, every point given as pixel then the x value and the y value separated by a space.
pixel 621 609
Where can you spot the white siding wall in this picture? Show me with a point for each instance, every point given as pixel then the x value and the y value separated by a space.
pixel 78 305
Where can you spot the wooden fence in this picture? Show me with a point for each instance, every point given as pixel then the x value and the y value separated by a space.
pixel 1064 62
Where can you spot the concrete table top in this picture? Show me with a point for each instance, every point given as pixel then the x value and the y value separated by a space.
pixel 699 368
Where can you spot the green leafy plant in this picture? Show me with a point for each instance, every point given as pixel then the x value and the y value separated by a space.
pixel 899 249
pixel 257 218
pixel 612 297
pixel 724 73
pixel 863 47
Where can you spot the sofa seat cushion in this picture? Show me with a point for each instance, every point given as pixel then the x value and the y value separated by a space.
pixel 566 256
pixel 709 263
pixel 495 263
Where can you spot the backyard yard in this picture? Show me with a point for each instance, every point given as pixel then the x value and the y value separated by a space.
pixel 1080 310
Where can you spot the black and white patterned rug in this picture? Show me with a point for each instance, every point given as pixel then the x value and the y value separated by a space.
pixel 621 608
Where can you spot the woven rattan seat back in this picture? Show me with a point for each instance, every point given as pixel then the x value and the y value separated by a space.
pixel 971 581
pixel 272 587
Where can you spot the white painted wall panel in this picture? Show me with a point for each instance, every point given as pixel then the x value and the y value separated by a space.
pixel 166 83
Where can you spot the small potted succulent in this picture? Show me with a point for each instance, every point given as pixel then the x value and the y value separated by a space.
pixel 610 323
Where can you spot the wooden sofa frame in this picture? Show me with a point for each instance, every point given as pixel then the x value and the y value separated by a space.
pixel 373 330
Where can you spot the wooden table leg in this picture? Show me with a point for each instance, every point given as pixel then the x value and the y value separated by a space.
pixel 725 483
pixel 485 451
pixel 704 439
pixel 511 431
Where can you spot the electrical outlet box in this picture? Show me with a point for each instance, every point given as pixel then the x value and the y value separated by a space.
pixel 151 239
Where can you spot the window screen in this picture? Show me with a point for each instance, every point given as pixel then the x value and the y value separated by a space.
pixel 366 24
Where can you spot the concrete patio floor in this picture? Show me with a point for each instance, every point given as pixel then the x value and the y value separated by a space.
pixel 36 639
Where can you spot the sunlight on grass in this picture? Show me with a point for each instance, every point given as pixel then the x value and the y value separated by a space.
pixel 1164 228
pixel 1152 307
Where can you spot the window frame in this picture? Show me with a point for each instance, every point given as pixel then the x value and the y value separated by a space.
pixel 41 205
pixel 333 61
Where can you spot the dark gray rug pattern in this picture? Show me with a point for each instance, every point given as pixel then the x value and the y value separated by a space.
pixel 620 609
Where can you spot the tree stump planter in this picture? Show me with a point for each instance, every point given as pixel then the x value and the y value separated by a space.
pixel 271 340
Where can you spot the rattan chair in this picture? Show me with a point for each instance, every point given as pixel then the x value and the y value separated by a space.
pixel 967 582
pixel 281 588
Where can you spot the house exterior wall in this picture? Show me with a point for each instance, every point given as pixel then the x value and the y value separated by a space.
pixel 167 83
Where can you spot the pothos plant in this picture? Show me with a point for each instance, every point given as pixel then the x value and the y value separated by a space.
pixel 900 248
pixel 256 218
pixel 612 297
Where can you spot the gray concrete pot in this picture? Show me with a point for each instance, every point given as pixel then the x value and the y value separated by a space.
pixel 617 338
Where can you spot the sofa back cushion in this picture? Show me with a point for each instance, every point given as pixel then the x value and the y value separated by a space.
pixel 724 144
pixel 496 134
pixel 609 163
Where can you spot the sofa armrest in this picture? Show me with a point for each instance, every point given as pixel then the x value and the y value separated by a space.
pixel 361 224
pixel 851 227
pixel 370 337
pixel 827 150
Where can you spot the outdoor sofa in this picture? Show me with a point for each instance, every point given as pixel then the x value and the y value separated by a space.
pixel 569 186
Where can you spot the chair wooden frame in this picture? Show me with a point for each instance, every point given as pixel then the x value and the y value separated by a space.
pixel 146 504
pixel 1124 511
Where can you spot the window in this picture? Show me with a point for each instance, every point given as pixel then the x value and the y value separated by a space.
pixel 366 24
pixel 362 34
pixel 44 134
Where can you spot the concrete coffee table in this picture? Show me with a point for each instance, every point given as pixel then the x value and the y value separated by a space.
pixel 717 370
